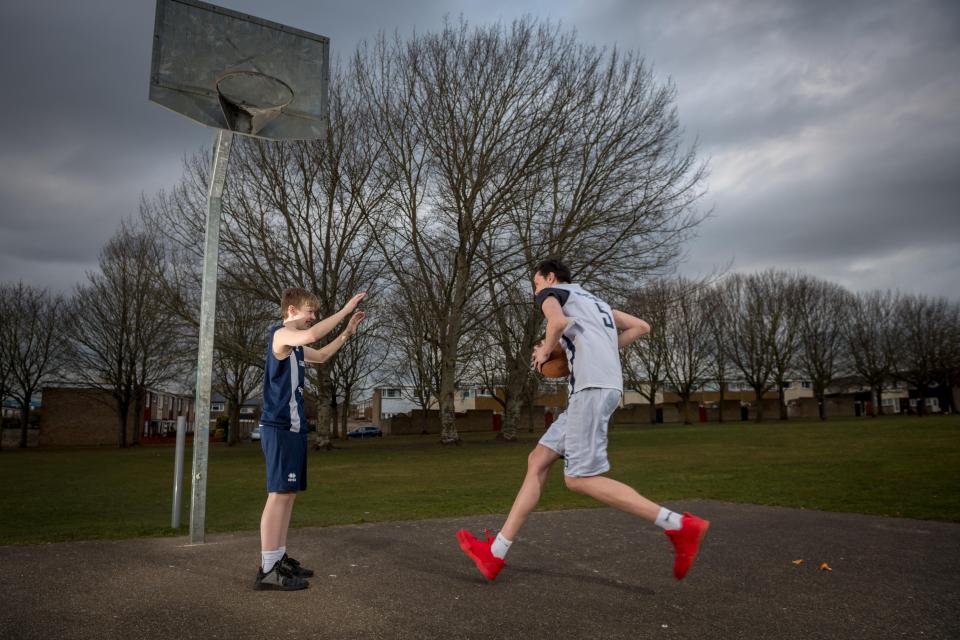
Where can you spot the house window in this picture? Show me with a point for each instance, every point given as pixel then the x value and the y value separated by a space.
pixel 392 393
pixel 485 393
pixel 807 385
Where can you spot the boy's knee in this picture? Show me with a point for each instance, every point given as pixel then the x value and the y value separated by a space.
pixel 574 484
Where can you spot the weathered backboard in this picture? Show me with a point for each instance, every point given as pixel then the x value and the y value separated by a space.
pixel 233 71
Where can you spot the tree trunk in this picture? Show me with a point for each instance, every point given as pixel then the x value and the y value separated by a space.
pixel 324 394
pixel 758 392
pixel 345 412
pixel 137 417
pixel 782 399
pixel 722 394
pixel 822 403
pixel 511 415
pixel 451 340
pixel 334 419
pixel 448 368
pixel 685 400
pixel 123 411
pixel 874 402
pixel 515 393
pixel 921 392
pixel 653 409
pixel 425 420
pixel 24 421
pixel 233 430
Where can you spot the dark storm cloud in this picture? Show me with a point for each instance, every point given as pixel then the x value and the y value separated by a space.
pixel 831 128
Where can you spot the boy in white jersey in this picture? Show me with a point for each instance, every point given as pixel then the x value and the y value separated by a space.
pixel 592 334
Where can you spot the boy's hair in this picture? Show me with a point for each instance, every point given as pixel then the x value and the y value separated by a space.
pixel 557 268
pixel 298 298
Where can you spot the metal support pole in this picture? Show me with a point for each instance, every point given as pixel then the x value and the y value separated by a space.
pixel 208 300
pixel 178 472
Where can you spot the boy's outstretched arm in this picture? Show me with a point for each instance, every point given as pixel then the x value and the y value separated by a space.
pixel 630 327
pixel 328 351
pixel 287 337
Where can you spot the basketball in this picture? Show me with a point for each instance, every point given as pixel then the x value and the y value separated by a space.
pixel 556 366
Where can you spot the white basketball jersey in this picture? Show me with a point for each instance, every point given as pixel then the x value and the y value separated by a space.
pixel 590 338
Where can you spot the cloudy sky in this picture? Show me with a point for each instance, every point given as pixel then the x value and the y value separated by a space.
pixel 832 129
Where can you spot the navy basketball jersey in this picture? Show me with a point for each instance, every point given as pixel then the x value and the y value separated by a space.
pixel 590 340
pixel 283 389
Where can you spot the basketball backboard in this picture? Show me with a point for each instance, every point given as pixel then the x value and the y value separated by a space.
pixel 232 71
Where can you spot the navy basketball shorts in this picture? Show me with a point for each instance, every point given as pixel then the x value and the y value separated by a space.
pixel 285 453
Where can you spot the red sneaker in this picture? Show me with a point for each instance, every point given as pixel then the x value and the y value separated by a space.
pixel 479 552
pixel 686 542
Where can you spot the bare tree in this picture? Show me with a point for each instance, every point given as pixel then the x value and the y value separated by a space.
pixel 6 346
pixel 36 336
pixel 778 292
pixel 414 354
pixel 644 361
pixel 506 345
pixel 509 144
pixel 872 336
pixel 927 328
pixel 823 309
pixel 750 334
pixel 686 340
pixel 122 340
pixel 241 341
pixel 719 365
pixel 948 363
pixel 463 117
pixel 615 201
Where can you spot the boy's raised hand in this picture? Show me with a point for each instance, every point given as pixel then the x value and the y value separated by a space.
pixel 354 301
pixel 355 320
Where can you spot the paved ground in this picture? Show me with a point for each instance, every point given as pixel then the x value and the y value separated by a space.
pixel 574 574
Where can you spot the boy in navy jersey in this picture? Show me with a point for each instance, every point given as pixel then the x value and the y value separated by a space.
pixel 283 425
pixel 592 334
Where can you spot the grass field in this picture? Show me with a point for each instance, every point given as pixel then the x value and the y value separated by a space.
pixel 907 467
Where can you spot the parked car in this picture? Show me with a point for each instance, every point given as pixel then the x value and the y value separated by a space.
pixel 255 434
pixel 365 432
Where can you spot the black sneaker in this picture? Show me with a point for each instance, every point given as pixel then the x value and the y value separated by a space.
pixel 294 567
pixel 278 578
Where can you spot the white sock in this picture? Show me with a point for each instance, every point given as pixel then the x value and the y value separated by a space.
pixel 668 520
pixel 500 547
pixel 270 558
pixel 283 551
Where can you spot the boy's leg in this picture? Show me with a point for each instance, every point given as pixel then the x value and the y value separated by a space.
pixel 286 520
pixel 538 467
pixel 586 458
pixel 616 494
pixel 275 521
pixel 488 554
